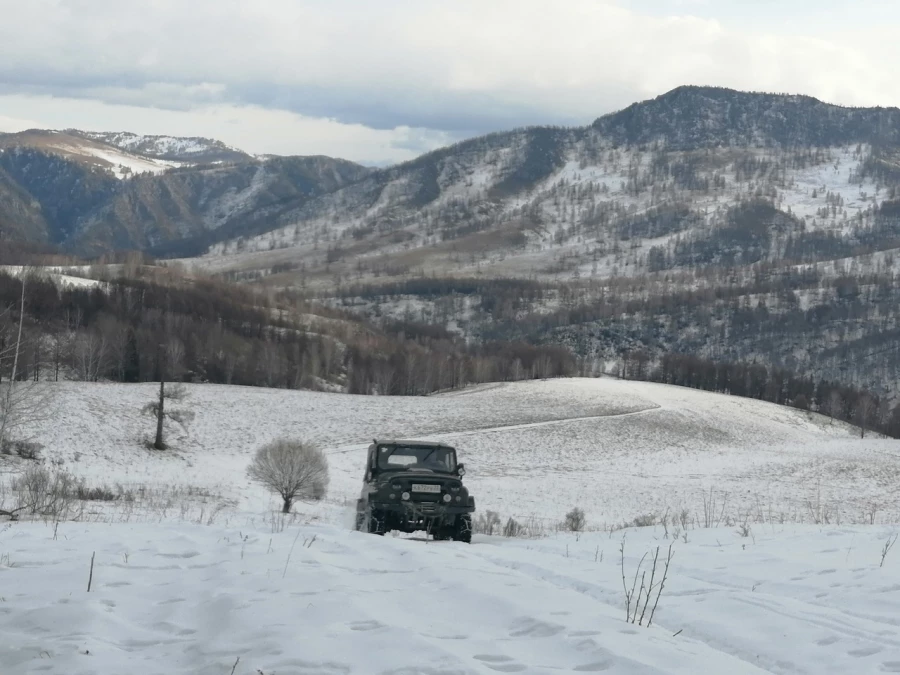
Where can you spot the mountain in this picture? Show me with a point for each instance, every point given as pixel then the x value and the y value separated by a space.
pixel 734 226
pixel 702 117
pixel 185 210
pixel 558 202
pixel 195 150
pixel 85 151
pixel 93 193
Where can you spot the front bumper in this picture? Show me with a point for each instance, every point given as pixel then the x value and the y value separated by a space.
pixel 412 510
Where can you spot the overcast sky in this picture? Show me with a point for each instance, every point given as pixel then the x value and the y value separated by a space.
pixel 380 81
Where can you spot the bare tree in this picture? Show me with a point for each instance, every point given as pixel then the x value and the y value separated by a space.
pixel 862 413
pixel 291 469
pixel 158 409
pixel 91 355
pixel 833 405
pixel 24 402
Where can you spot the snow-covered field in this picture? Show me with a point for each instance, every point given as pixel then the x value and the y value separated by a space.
pixel 193 599
pixel 199 573
pixel 533 449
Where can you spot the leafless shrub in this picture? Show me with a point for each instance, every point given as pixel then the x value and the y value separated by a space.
pixel 888 545
pixel 646 520
pixel 575 520
pixel 487 522
pixel 24 449
pixel 744 529
pixel 512 528
pixel 638 598
pixel 44 492
pixel 712 514
pixel 871 511
pixel 819 512
pixel 97 493
pixel 291 469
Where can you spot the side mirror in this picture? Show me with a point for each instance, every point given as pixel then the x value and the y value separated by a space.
pixel 461 469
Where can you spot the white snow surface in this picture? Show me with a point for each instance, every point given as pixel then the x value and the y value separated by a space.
pixel 192 582
pixel 195 599
pixel 161 145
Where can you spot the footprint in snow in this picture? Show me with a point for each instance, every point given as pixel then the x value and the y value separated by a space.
pixel 365 625
pixel 595 667
pixel 862 652
pixel 186 554
pixel 890 667
pixel 502 664
pixel 534 628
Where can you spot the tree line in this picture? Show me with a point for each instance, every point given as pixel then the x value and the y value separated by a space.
pixel 128 329
pixel 838 401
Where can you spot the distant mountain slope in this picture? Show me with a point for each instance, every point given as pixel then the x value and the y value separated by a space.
pixel 88 152
pixel 186 210
pixel 539 200
pixel 21 218
pixel 89 196
pixel 690 117
pixel 194 149
pixel 643 189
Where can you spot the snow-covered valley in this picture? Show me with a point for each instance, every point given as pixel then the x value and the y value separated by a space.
pixel 777 521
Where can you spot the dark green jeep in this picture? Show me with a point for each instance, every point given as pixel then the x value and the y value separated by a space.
pixel 413 486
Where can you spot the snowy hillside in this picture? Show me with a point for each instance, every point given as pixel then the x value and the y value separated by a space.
pixel 619 450
pixel 196 150
pixel 197 576
pixel 119 161
pixel 650 188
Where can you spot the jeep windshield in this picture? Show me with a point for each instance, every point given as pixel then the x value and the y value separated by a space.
pixel 412 457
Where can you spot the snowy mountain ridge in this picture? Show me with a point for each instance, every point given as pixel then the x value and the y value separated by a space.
pixel 194 149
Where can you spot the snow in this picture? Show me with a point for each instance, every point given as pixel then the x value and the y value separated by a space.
pixel 650 446
pixel 160 145
pixel 125 163
pixel 199 570
pixel 191 598
pixel 57 274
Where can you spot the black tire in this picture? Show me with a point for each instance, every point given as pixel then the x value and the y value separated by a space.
pixel 443 533
pixel 360 525
pixel 375 523
pixel 463 530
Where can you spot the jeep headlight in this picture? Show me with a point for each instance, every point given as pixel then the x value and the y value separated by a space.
pixel 405 496
pixel 447 499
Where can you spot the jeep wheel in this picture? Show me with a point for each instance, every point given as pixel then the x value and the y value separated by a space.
pixel 375 523
pixel 463 530
pixel 360 524
pixel 443 533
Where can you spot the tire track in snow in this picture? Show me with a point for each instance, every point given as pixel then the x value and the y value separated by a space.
pixel 878 634
pixel 355 447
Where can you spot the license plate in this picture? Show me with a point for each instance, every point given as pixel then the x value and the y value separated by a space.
pixel 426 488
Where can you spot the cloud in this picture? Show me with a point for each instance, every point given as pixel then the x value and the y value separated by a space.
pixel 455 68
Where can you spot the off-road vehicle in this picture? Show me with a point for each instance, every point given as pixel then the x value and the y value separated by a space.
pixel 414 486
